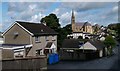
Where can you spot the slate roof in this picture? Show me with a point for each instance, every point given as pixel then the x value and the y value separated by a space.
pixel 76 43
pixel 82 23
pixel 98 44
pixel 37 28
pixel 71 43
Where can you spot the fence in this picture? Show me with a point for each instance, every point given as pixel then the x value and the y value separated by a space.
pixel 27 64
pixel 64 55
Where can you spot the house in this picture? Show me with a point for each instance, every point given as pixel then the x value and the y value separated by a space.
pixel 102 38
pixel 93 36
pixel 81 49
pixel 95 46
pixel 70 50
pixel 30 39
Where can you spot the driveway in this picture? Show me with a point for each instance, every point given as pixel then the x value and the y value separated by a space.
pixel 101 63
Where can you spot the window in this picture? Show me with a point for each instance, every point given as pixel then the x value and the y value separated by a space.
pixel 70 50
pixel 46 38
pixel 53 38
pixel 39 52
pixel 37 39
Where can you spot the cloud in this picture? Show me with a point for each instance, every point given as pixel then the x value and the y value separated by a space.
pixel 85 6
pixel 65 18
pixel 6 23
pixel 101 13
pixel 94 12
pixel 115 9
pixel 0 27
pixel 26 10
pixel 60 0
pixel 56 11
pixel 37 18
pixel 63 14
pixel 60 10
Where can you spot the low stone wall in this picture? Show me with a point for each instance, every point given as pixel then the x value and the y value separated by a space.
pixel 27 64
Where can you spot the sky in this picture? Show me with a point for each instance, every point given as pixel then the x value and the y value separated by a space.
pixel 102 13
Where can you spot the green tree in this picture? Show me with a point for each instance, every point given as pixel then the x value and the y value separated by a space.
pixel 67 29
pixel 96 28
pixel 118 31
pixel 63 32
pixel 110 43
pixel 112 26
pixel 52 21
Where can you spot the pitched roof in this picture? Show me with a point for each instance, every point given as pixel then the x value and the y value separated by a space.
pixel 71 43
pixel 82 23
pixel 98 44
pixel 37 28
pixel 76 43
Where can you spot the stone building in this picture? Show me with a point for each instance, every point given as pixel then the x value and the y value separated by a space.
pixel 80 26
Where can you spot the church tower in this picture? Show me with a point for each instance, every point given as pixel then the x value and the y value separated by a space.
pixel 73 21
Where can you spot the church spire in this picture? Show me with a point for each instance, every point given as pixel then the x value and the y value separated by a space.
pixel 73 17
pixel 73 21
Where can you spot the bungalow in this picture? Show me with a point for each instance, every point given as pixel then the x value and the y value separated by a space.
pixel 30 39
pixel 70 50
pixel 76 49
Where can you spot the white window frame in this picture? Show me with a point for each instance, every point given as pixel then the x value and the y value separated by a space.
pixel 37 39
pixel 53 38
pixel 46 38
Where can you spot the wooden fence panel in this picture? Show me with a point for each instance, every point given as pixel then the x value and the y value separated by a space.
pixel 35 63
